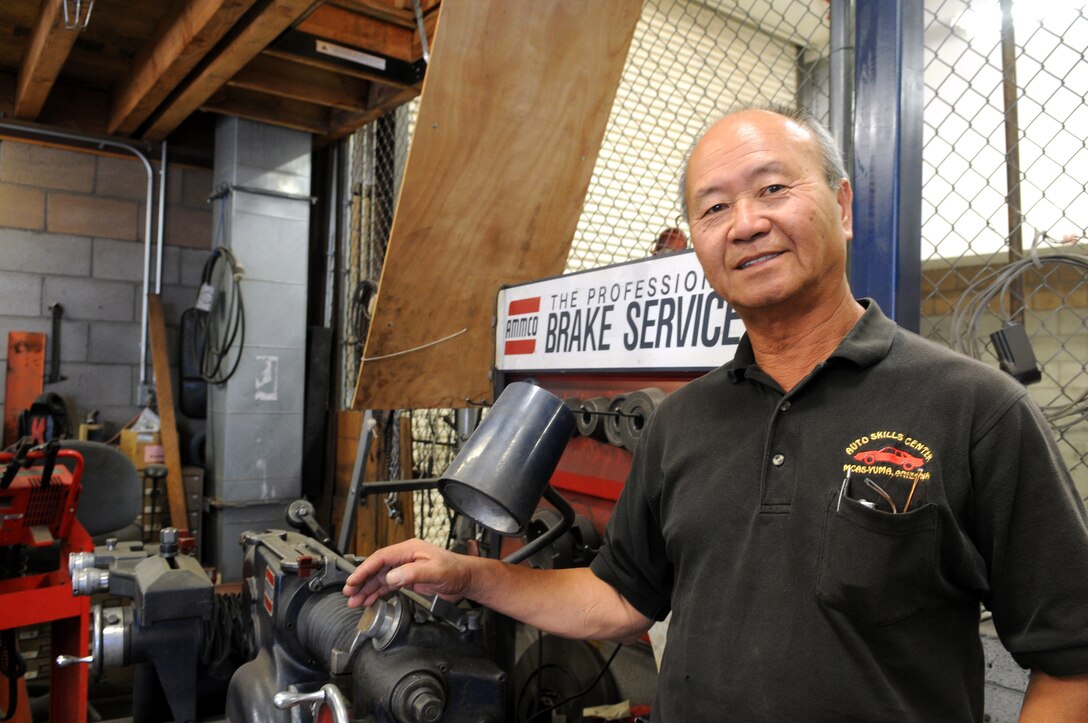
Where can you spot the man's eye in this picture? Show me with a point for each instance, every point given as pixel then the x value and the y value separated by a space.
pixel 716 208
pixel 775 188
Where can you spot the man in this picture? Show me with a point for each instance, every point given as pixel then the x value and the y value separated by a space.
pixel 797 594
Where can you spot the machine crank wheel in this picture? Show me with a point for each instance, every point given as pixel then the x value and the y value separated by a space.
pixel 552 670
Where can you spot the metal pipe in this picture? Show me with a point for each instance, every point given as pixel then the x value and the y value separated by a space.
pixel 102 142
pixel 162 218
pixel 1010 89
pixel 842 77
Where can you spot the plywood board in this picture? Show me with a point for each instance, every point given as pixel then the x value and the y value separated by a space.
pixel 513 109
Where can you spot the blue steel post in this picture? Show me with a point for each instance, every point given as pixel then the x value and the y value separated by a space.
pixel 886 252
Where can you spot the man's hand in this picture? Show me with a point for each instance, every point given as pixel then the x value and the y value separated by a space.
pixel 414 564
pixel 573 602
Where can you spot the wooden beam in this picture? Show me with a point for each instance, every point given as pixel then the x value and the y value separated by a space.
pixel 164 396
pixel 395 12
pixel 295 81
pixel 269 109
pixel 383 99
pixel 180 40
pixel 360 31
pixel 273 19
pixel 50 44
pixel 335 66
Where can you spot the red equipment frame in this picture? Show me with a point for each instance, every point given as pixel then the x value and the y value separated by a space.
pixel 47 597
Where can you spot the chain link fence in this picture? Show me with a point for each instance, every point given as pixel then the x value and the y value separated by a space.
pixel 688 63
pixel 1004 196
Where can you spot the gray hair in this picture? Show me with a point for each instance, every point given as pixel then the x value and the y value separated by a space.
pixel 834 166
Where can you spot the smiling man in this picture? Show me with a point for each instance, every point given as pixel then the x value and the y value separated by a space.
pixel 805 583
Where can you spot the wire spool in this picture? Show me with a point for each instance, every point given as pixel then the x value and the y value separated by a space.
pixel 612 420
pixel 635 412
pixel 589 418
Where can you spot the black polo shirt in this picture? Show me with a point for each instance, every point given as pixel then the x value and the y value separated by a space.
pixel 789 604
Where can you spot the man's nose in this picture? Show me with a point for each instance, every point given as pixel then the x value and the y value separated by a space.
pixel 749 220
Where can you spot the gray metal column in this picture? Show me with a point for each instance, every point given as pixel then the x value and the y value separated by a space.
pixel 255 424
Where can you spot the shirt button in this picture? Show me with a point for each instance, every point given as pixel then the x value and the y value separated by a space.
pixel 785 406
pixel 778 460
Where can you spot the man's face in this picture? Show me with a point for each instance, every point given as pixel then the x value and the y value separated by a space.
pixel 767 228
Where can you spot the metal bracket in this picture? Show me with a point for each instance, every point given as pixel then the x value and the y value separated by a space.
pixel 357 475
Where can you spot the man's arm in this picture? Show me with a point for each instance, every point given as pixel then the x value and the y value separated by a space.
pixel 573 603
pixel 1050 699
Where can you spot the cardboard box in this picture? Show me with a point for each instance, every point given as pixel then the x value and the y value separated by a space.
pixel 143 448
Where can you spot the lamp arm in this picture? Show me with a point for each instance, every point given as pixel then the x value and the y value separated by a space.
pixel 564 508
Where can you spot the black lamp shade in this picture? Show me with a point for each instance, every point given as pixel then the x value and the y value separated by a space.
pixel 498 477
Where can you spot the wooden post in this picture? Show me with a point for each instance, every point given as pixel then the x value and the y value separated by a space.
pixel 164 394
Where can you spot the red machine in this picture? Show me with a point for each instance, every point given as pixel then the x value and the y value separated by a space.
pixel 39 490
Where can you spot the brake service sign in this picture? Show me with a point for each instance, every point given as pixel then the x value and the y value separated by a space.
pixel 655 314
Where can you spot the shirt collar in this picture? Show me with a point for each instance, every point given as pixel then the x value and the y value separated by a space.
pixel 866 344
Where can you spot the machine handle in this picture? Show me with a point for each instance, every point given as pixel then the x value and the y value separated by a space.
pixel 328 695
pixel 63 661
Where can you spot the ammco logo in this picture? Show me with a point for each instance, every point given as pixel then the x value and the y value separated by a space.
pixel 522 319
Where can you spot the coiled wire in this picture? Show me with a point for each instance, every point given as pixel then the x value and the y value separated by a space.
pixel 997 283
pixel 225 323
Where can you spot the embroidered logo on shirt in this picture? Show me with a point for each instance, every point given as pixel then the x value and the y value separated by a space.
pixel 889 453
pixel 886 471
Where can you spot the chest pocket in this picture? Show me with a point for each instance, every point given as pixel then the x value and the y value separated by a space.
pixel 877 567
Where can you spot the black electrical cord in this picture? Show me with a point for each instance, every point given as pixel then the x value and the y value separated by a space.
pixel 579 694
pixel 13 666
pixel 223 324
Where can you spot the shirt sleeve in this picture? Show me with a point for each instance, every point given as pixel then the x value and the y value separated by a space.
pixel 1034 530
pixel 633 557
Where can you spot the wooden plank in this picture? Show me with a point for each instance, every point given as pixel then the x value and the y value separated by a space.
pixel 336 65
pixel 510 122
pixel 360 31
pixel 381 100
pixel 274 18
pixel 164 395
pixel 181 39
pixel 50 44
pixel 296 81
pixel 274 110
pixel 391 11
pixel 25 378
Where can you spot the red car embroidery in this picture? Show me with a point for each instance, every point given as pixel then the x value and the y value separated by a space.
pixel 889 454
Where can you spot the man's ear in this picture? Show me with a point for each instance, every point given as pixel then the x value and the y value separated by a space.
pixel 845 198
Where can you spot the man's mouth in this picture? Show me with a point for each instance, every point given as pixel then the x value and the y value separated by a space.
pixel 758 260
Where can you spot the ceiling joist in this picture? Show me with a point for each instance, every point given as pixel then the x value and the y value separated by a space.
pixel 271 20
pixel 50 44
pixel 343 26
pixel 181 39
pixel 285 79
pixel 258 107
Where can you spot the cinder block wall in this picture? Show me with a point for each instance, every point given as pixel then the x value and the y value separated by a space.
pixel 71 232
